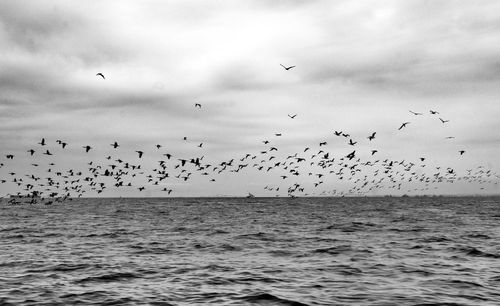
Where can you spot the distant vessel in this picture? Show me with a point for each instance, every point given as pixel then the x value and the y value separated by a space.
pixel 250 195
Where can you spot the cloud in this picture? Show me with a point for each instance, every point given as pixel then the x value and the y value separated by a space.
pixel 360 66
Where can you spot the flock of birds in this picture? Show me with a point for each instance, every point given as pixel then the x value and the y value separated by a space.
pixel 365 176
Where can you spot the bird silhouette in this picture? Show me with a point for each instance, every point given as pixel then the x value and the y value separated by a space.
pixel 403 125
pixel 416 114
pixel 461 152
pixel 87 148
pixel 287 68
pixel 197 105
pixel 444 121
pixel 115 145
pixel 140 153
pixel 31 151
pixel 101 75
pixel 372 136
pixel 292 116
pixel 433 112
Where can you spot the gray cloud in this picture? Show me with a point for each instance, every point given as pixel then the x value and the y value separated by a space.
pixel 360 66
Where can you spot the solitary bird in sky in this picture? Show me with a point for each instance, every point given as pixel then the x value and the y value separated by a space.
pixel 450 137
pixel 278 134
pixel 433 112
pixel 461 152
pixel 87 148
pixel 416 114
pixel 292 116
pixel 287 68
pixel 444 121
pixel 115 145
pixel 140 153
pixel 403 125
pixel 200 145
pixel 197 105
pixel 101 75
pixel 374 151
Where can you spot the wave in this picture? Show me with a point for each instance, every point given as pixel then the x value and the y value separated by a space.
pixel 112 277
pixel 269 298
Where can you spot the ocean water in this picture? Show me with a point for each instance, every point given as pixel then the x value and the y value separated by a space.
pixel 275 251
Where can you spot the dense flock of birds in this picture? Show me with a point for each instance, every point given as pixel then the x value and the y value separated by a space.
pixel 364 176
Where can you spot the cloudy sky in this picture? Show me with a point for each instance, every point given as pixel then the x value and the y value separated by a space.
pixel 360 67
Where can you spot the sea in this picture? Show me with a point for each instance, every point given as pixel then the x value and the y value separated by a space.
pixel 258 251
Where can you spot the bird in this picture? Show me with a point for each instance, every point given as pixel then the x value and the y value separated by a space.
pixel 416 114
pixel 403 125
pixel 287 68
pixel 352 142
pixel 444 121
pixel 31 151
pixel 292 116
pixel 158 146
pixel 200 145
pixel 449 137
pixel 47 153
pixel 115 145
pixel 324 143
pixel 461 152
pixel 278 134
pixel 433 112
pixel 374 151
pixel 372 136
pixel 197 105
pixel 101 75
pixel 42 142
pixel 87 148
pixel 140 153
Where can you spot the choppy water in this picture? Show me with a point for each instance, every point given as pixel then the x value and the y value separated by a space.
pixel 352 251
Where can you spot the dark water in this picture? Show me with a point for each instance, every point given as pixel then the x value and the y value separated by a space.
pixel 353 251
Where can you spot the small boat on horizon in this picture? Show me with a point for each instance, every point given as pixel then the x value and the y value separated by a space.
pixel 249 196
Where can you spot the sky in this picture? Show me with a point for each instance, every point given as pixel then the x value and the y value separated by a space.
pixel 360 67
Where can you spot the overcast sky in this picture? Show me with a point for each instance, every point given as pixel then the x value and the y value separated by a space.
pixel 360 67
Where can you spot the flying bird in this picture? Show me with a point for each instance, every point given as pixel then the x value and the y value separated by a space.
pixel 87 148
pixel 115 145
pixel 140 153
pixel 416 114
pixel 197 105
pixel 403 125
pixel 433 112
pixel 101 75
pixel 444 121
pixel 372 136
pixel 461 152
pixel 31 152
pixel 287 68
pixel 292 116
